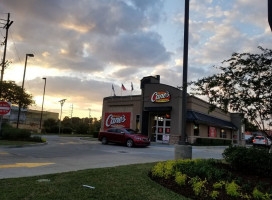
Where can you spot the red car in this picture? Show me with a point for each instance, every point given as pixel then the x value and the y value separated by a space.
pixel 124 136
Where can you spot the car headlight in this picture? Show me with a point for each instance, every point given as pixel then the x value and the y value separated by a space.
pixel 138 138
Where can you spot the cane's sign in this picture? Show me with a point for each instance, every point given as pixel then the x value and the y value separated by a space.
pixel 121 120
pixel 160 97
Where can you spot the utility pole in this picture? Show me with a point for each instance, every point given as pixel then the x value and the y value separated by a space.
pixel 7 25
pixel 270 13
pixel 71 113
pixel 61 104
pixel 90 115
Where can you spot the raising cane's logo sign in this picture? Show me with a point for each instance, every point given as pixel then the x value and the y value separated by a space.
pixel 160 97
pixel 121 120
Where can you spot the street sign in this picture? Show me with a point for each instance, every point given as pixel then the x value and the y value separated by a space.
pixel 270 13
pixel 4 108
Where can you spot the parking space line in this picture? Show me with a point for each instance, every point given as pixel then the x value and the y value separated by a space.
pixel 29 165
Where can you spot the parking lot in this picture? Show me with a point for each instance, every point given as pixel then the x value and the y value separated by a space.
pixel 62 154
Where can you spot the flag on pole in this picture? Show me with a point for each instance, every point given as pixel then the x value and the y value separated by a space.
pixel 123 87
pixel 132 87
pixel 113 90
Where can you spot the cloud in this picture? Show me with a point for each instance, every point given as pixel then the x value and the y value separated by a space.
pixel 71 88
pixel 142 49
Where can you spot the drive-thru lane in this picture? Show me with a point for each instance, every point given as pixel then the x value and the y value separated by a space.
pixel 62 154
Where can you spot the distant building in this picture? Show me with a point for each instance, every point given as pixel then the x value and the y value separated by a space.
pixel 29 119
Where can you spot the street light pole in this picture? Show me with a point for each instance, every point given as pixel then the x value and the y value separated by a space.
pixel 42 102
pixel 19 111
pixel 61 104
pixel 183 151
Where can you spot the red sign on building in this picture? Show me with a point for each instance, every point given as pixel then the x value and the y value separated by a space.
pixel 160 97
pixel 212 132
pixel 120 120
pixel 4 108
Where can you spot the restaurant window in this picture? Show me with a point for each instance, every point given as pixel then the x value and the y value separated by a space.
pixel 196 129
pixel 223 133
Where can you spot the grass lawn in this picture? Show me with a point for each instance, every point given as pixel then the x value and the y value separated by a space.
pixel 129 182
pixel 17 143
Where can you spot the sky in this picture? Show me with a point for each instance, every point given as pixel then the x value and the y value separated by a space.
pixel 84 47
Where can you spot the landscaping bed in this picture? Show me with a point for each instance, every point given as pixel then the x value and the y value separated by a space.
pixel 217 179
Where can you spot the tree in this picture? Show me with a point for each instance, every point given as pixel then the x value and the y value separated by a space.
pixel 51 125
pixel 13 93
pixel 249 126
pixel 244 86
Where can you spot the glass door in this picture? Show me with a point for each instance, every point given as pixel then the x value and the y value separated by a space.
pixel 161 127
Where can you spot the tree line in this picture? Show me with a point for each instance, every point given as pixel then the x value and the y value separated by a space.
pixel 74 125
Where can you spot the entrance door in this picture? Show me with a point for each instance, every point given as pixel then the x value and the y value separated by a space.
pixel 161 128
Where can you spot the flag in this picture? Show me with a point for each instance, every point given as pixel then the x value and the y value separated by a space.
pixel 113 90
pixel 132 87
pixel 123 87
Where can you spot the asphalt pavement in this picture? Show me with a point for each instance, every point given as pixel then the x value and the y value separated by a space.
pixel 63 154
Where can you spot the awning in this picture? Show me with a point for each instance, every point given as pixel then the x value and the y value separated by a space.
pixel 201 118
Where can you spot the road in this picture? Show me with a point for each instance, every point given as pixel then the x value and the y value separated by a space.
pixel 63 154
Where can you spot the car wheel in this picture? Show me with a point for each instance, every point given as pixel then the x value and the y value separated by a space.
pixel 104 140
pixel 130 143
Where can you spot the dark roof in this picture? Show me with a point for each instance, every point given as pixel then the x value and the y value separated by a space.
pixel 197 117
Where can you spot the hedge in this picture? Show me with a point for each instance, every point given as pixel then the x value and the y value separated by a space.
pixel 212 142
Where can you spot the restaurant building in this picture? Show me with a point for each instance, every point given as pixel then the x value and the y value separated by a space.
pixel 157 113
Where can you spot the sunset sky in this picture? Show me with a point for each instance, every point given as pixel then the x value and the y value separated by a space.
pixel 83 47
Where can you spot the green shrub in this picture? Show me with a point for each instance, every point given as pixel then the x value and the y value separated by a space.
pixel 212 142
pixel 257 194
pixel 180 178
pixel 164 169
pixel 214 194
pixel 16 134
pixel 267 196
pixel 219 185
pixel 158 170
pixel 169 169
pixel 67 130
pixel 253 160
pixel 232 189
pixel 52 129
pixel 198 186
pixel 37 139
pixel 202 168
pixel 82 128
pixel 95 134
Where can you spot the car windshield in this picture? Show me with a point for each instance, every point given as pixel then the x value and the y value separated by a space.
pixel 130 131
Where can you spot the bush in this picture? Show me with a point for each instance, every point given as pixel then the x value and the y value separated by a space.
pixel 253 160
pixel 37 139
pixel 202 168
pixel 180 178
pixel 52 129
pixel 95 134
pixel 199 186
pixel 16 134
pixel 82 128
pixel 232 189
pixel 212 142
pixel 67 130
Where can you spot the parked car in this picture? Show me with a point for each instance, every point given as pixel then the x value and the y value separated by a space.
pixel 250 140
pixel 261 141
pixel 125 136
